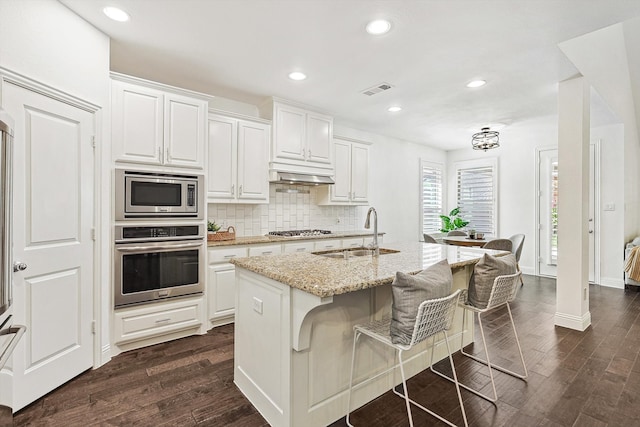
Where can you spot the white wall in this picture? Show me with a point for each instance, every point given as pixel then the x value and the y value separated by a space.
pixel 45 41
pixel 611 193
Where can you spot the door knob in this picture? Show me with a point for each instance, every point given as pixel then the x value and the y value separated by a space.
pixel 19 266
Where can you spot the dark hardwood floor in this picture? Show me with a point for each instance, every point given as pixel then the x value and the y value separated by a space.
pixel 589 378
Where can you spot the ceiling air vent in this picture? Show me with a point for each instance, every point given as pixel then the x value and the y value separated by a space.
pixel 377 89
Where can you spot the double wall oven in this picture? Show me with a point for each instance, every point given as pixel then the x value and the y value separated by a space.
pixel 159 245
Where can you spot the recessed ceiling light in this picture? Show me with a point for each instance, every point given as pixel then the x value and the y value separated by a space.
pixel 297 75
pixel 476 83
pixel 116 14
pixel 379 26
pixel 394 109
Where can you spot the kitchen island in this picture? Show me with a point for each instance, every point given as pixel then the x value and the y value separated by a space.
pixel 294 328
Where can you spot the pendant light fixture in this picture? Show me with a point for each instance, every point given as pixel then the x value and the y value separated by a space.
pixel 485 139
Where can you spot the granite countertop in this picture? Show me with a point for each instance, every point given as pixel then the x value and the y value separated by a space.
pixel 324 277
pixel 253 240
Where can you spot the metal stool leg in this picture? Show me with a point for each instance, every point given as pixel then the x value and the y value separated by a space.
pixel 353 364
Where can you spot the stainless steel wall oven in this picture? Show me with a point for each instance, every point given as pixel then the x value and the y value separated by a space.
pixel 157 262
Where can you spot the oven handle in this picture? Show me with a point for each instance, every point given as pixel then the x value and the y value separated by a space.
pixel 159 247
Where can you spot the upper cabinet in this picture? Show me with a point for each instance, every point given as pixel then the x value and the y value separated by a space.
pixel 238 160
pixel 156 126
pixel 351 175
pixel 301 138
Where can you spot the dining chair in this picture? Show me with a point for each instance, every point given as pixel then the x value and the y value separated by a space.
pixel 456 233
pixel 429 239
pixel 517 241
pixel 434 316
pixel 503 292
pixel 498 244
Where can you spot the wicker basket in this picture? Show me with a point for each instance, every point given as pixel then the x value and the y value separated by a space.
pixel 230 234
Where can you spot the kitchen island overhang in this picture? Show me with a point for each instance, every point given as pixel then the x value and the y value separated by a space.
pixel 294 328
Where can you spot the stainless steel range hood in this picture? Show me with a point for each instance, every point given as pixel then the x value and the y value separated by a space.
pixel 302 179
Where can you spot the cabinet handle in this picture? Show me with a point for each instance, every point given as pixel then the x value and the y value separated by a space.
pixel 300 249
pixel 160 159
pixel 267 252
pixel 233 189
pixel 304 153
pixel 168 155
pixel 163 320
pixel 309 152
pixel 240 190
pixel 229 256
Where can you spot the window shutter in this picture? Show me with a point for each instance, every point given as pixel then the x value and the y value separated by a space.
pixel 431 197
pixel 476 197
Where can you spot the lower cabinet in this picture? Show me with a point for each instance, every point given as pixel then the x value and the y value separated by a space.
pixel 221 283
pixel 148 324
pixel 221 288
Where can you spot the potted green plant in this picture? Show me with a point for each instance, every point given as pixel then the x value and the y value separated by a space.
pixel 453 221
pixel 212 227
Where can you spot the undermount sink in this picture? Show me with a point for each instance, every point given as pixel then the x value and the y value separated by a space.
pixel 352 252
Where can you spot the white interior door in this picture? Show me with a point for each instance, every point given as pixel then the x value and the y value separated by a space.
pixel 53 217
pixel 594 199
pixel 548 213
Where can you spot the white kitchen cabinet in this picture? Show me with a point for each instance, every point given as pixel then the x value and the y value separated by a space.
pixel 221 283
pixel 238 160
pixel 157 127
pixel 263 250
pixel 351 175
pixel 327 244
pixel 140 323
pixel 302 138
pixel 297 247
pixel 352 242
pixel 301 134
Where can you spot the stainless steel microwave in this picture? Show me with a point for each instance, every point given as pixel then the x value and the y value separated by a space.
pixel 158 195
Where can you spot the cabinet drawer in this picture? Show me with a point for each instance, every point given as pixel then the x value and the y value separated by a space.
pixel 139 323
pixel 326 244
pixel 291 248
pixel 353 242
pixel 265 250
pixel 224 255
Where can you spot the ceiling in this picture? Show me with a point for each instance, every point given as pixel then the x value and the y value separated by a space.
pixel 244 50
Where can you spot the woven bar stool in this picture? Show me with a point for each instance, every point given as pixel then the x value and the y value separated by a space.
pixel 434 316
pixel 502 293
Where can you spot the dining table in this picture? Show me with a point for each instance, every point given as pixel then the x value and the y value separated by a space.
pixel 465 241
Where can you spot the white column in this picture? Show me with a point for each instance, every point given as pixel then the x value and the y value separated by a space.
pixel 572 294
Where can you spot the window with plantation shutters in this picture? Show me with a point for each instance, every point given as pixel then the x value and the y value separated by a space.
pixel 431 197
pixel 477 195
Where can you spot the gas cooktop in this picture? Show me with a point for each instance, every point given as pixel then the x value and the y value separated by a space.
pixel 297 233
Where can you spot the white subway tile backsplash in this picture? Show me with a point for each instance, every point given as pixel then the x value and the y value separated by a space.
pixel 287 211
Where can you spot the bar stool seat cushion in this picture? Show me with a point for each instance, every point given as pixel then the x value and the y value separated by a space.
pixel 409 291
pixel 484 273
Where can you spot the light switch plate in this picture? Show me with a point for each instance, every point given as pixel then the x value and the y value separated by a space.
pixel 257 305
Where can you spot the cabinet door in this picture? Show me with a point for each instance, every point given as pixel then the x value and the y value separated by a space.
pixel 184 129
pixel 253 161
pixel 341 189
pixel 359 173
pixel 137 123
pixel 221 179
pixel 319 131
pixel 221 289
pixel 289 132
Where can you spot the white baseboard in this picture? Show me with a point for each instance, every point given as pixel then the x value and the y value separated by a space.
pixel 579 323
pixel 105 354
pixel 528 270
pixel 610 282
